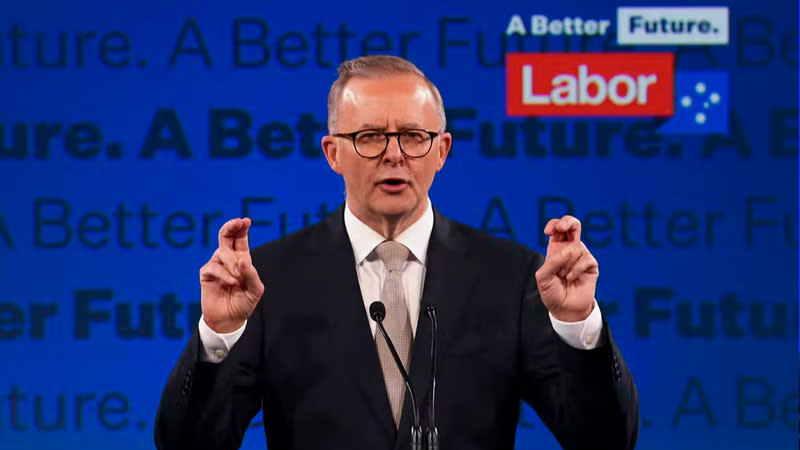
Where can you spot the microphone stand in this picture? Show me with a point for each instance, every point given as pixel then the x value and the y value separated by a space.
pixel 378 312
pixel 432 433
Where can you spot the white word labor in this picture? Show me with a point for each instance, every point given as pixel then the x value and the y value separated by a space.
pixel 542 25
pixel 568 89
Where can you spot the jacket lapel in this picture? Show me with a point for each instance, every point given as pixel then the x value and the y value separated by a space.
pixel 449 279
pixel 357 346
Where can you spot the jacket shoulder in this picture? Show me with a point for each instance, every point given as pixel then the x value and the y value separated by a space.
pixel 493 248
pixel 289 247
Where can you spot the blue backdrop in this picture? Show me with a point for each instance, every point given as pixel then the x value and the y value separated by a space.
pixel 130 133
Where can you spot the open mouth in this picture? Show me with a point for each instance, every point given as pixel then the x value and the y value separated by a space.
pixel 394 185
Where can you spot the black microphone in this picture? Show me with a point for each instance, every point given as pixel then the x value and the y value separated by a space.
pixel 378 311
pixel 432 433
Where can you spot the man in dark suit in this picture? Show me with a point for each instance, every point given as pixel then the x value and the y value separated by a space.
pixel 513 324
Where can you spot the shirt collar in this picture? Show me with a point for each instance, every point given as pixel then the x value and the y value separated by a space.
pixel 364 239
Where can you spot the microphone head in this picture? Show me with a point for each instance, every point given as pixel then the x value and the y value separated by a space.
pixel 429 308
pixel 377 311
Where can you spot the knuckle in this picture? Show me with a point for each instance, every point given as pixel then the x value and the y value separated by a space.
pixel 224 228
pixel 224 254
pixel 207 267
pixel 216 256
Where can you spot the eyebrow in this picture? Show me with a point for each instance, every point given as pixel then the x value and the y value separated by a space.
pixel 410 125
pixel 371 126
pixel 402 126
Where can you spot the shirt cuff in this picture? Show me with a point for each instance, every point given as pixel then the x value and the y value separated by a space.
pixel 217 345
pixel 583 335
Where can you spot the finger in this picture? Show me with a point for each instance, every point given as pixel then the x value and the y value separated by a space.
pixel 567 228
pixel 575 255
pixel 586 264
pixel 252 282
pixel 228 233
pixel 570 226
pixel 556 260
pixel 242 242
pixel 228 259
pixel 213 271
pixel 550 227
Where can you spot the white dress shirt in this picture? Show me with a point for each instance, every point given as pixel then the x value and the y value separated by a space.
pixel 371 272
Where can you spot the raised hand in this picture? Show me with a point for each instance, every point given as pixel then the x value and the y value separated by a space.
pixel 568 277
pixel 230 287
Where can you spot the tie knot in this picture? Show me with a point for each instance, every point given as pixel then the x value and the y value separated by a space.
pixel 392 253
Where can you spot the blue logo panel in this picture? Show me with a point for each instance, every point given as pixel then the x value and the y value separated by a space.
pixel 702 102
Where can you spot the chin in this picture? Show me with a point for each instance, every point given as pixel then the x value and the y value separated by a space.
pixel 394 207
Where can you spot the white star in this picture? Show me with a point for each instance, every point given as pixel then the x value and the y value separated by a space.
pixel 700 118
pixel 700 87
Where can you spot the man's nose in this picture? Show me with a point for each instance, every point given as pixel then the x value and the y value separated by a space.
pixel 393 152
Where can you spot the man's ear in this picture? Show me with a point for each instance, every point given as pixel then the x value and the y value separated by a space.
pixel 445 141
pixel 332 154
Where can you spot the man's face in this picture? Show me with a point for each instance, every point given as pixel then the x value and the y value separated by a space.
pixel 391 186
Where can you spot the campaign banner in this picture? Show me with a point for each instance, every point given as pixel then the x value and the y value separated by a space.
pixel 589 84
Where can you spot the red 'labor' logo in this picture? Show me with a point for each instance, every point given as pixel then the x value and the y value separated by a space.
pixel 589 84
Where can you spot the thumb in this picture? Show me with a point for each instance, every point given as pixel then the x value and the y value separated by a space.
pixel 554 261
pixel 251 280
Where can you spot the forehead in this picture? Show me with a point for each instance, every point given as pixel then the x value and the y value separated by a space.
pixel 387 100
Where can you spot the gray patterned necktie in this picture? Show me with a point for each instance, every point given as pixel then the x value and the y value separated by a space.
pixel 397 323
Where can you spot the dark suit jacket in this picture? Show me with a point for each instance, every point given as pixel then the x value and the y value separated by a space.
pixel 307 356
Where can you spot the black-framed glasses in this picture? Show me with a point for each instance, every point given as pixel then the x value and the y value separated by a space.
pixel 370 144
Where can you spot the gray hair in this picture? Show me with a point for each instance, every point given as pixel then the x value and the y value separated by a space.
pixel 373 66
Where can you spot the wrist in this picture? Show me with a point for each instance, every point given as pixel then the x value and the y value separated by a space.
pixel 573 315
pixel 224 326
